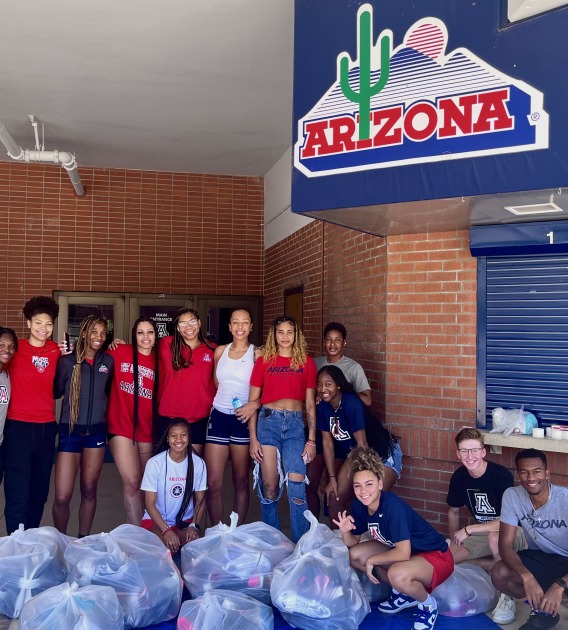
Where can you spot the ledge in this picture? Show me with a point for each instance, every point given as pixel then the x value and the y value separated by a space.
pixel 498 440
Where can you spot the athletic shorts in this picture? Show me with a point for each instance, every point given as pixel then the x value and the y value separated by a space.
pixel 75 443
pixel 443 563
pixel 148 523
pixel 225 429
pixel 198 428
pixel 478 546
pixel 546 567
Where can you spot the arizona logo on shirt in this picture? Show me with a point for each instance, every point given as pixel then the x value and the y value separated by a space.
pixel 207 358
pixel 375 532
pixel 103 368
pixel 40 363
pixel 4 398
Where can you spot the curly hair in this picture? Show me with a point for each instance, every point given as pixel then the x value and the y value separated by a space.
pixel 299 348
pixel 41 304
pixel 85 331
pixel 361 459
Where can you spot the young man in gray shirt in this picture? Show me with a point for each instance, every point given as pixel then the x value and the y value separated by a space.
pixel 539 573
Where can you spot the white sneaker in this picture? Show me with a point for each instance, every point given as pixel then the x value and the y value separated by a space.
pixel 505 610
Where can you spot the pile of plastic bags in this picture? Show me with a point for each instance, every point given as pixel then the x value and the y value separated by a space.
pixel 137 565
pixel 316 587
pixel 31 561
pixel 235 558
pixel 468 591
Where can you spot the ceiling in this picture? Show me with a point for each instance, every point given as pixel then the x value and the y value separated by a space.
pixel 177 85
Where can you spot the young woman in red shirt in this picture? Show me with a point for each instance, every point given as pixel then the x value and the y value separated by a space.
pixel 131 410
pixel 283 380
pixel 186 377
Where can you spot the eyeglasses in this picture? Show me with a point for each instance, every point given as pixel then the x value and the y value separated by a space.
pixel 473 451
pixel 189 322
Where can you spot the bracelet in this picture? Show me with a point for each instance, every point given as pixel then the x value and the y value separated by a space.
pixel 165 531
pixel 466 532
pixel 561 582
pixel 195 526
pixel 310 443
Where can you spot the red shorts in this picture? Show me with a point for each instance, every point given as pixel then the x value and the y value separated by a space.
pixel 148 523
pixel 443 564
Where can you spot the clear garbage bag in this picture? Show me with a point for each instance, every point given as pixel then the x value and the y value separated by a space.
pixel 69 607
pixel 509 421
pixel 374 592
pixel 234 558
pixel 225 610
pixel 316 586
pixel 137 565
pixel 31 561
pixel 468 591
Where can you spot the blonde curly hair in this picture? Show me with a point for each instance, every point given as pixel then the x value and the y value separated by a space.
pixel 299 348
pixel 362 459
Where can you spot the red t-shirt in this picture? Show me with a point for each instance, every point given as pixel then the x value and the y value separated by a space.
pixel 278 380
pixel 187 393
pixel 32 371
pixel 120 410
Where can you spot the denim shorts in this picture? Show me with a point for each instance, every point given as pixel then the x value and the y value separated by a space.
pixel 285 431
pixel 394 461
pixel 75 443
pixel 225 429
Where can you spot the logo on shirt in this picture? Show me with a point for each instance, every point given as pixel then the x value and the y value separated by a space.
pixel 207 358
pixel 103 368
pixel 176 491
pixel 336 431
pixel 375 531
pixel 41 363
pixel 482 507
pixel 4 397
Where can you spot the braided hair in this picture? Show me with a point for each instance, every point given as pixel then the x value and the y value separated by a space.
pixel 379 438
pixel 135 370
pixel 189 490
pixel 85 331
pixel 179 360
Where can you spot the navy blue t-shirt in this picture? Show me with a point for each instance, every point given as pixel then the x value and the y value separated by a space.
pixel 396 521
pixel 342 423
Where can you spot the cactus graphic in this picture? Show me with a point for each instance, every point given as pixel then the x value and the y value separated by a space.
pixel 366 90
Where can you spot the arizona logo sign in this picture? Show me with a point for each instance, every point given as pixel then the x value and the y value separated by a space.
pixel 415 103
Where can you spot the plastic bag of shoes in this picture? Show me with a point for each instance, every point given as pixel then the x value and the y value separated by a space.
pixel 31 561
pixel 137 565
pixel 374 592
pixel 225 610
pixel 234 558
pixel 468 591
pixel 68 606
pixel 316 587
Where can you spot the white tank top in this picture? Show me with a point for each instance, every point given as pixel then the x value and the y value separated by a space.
pixel 233 376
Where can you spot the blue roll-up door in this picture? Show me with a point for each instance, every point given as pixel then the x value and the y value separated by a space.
pixel 523 336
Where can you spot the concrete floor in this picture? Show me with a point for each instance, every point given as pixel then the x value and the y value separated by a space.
pixel 110 514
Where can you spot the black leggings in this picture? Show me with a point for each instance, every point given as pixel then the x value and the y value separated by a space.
pixel 29 449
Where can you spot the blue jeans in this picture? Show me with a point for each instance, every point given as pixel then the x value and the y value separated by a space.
pixel 285 431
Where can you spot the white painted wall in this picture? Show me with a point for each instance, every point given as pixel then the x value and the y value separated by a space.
pixel 279 221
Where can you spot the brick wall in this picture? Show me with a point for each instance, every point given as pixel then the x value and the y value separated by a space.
pixel 409 305
pixel 134 231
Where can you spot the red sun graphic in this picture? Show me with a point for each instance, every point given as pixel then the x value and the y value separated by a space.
pixel 428 38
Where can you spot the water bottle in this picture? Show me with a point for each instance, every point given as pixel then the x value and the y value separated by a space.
pixel 237 403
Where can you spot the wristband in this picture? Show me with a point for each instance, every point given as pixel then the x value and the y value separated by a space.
pixel 310 443
pixel 466 532
pixel 563 584
pixel 195 526
pixel 165 531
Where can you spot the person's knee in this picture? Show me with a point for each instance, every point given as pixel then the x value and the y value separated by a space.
pixel 89 492
pixel 270 490
pixel 241 484
pixel 500 574
pixel 297 488
pixel 398 577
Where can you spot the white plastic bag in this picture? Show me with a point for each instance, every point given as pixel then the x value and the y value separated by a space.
pixel 137 565
pixel 225 610
pixel 316 587
pixel 234 558
pixel 374 592
pixel 468 591
pixel 69 607
pixel 31 561
pixel 508 421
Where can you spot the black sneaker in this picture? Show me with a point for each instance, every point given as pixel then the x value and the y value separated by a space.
pixel 540 621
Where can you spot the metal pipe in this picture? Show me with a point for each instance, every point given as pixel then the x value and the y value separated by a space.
pixel 66 159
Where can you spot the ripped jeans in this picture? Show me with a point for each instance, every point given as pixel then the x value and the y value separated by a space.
pixel 285 431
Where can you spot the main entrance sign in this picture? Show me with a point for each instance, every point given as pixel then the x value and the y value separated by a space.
pixel 416 103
